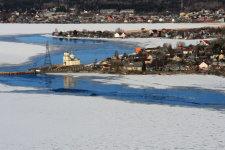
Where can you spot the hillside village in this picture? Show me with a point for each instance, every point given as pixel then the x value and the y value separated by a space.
pixel 207 56
pixel 192 33
pixel 72 15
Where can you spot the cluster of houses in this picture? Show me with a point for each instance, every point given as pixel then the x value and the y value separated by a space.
pixel 109 16
pixel 201 33
pixel 207 56
pixel 182 58
pixel 198 33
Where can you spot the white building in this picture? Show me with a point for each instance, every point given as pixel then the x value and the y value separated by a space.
pixel 70 59
pixel 127 11
pixel 119 35
pixel 203 66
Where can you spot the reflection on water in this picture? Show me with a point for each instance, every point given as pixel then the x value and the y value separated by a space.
pixel 69 82
pixel 86 86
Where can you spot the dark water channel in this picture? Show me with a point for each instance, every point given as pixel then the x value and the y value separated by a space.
pixel 87 51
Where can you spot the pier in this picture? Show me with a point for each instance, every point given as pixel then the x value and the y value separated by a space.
pixel 16 73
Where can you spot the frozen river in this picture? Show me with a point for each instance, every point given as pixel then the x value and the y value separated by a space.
pixel 87 51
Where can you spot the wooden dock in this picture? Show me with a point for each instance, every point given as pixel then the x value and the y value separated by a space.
pixel 16 73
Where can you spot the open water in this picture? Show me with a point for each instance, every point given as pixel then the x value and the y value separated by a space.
pixel 87 51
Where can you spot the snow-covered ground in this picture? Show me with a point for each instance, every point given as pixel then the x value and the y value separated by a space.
pixel 209 82
pixel 18 53
pixel 12 29
pixel 42 121
pixel 8 88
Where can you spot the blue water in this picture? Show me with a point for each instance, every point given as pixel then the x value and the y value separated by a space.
pixel 87 51
pixel 87 87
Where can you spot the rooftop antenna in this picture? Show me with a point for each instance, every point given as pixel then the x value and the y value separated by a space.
pixel 47 56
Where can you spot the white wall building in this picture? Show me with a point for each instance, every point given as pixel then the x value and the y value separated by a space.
pixel 70 59
pixel 203 66
pixel 119 35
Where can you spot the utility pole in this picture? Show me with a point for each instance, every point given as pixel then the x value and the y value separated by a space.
pixel 47 56
pixel 182 5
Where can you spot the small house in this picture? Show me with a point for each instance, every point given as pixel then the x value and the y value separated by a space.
pixel 205 43
pixel 137 49
pixel 119 35
pixel 203 66
pixel 221 56
pixel 136 66
pixel 187 51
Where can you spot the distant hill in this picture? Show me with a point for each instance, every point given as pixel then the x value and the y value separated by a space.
pixel 96 5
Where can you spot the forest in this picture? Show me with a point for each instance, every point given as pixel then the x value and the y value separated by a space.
pixel 96 5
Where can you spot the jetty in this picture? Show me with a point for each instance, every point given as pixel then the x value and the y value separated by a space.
pixel 16 73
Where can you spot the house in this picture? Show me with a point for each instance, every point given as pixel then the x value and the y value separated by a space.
pixel 180 47
pixel 140 19
pixel 127 11
pixel 187 51
pixel 125 21
pixel 110 18
pixel 144 33
pixel 105 65
pixel 119 35
pixel 155 33
pixel 205 43
pixel 70 59
pixel 179 36
pixel 107 11
pixel 149 59
pixel 221 56
pixel 161 20
pixel 176 58
pixel 168 35
pixel 136 66
pixel 203 66
pixel 137 49
pixel 150 21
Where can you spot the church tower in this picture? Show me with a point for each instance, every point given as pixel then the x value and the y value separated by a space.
pixel 72 56
pixel 66 58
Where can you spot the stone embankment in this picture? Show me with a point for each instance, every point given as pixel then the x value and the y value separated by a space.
pixel 16 73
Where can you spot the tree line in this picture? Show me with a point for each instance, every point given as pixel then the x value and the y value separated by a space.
pixel 96 5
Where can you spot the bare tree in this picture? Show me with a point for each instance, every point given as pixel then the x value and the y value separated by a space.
pixel 118 30
pixel 180 44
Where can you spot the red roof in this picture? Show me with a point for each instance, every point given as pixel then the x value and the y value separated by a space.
pixel 106 65
pixel 180 47
pixel 206 41
pixel 187 50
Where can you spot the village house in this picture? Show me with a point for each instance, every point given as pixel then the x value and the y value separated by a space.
pixel 127 11
pixel 205 43
pixel 203 66
pixel 149 59
pixel 135 66
pixel 221 56
pixel 107 11
pixel 187 51
pixel 120 35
